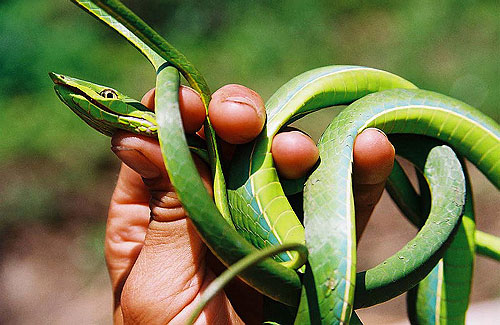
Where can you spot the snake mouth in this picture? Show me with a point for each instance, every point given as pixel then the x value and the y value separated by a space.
pixel 60 80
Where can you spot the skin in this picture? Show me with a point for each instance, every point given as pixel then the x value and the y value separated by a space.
pixel 157 263
pixel 192 109
pixel 246 111
pixel 294 154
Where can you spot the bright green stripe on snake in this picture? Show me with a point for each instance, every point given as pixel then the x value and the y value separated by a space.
pixel 343 83
pixel 308 92
pixel 476 134
pixel 451 293
pixel 435 115
pixel 443 296
pixel 411 111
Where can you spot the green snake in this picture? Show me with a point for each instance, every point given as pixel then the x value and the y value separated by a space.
pixel 255 212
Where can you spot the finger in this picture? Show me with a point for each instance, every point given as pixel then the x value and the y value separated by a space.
pixel 190 105
pixel 227 149
pixel 373 162
pixel 142 157
pixel 294 154
pixel 237 113
pixel 148 99
pixel 128 216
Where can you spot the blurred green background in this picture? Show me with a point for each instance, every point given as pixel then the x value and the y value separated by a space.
pixel 57 173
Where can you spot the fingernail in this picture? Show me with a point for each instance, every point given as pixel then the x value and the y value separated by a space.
pixel 379 131
pixel 137 161
pixel 241 100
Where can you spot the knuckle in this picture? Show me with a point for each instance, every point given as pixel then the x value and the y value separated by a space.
pixel 165 206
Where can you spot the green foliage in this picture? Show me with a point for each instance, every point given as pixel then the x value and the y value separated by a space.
pixel 449 46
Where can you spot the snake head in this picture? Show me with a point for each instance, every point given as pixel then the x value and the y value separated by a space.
pixel 104 108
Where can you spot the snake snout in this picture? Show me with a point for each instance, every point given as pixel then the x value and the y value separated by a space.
pixel 57 78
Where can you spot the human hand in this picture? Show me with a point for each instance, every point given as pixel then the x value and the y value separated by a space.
pixel 157 262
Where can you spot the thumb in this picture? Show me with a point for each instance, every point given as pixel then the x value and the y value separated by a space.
pixel 170 270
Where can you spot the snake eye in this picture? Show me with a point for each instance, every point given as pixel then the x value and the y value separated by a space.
pixel 108 93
